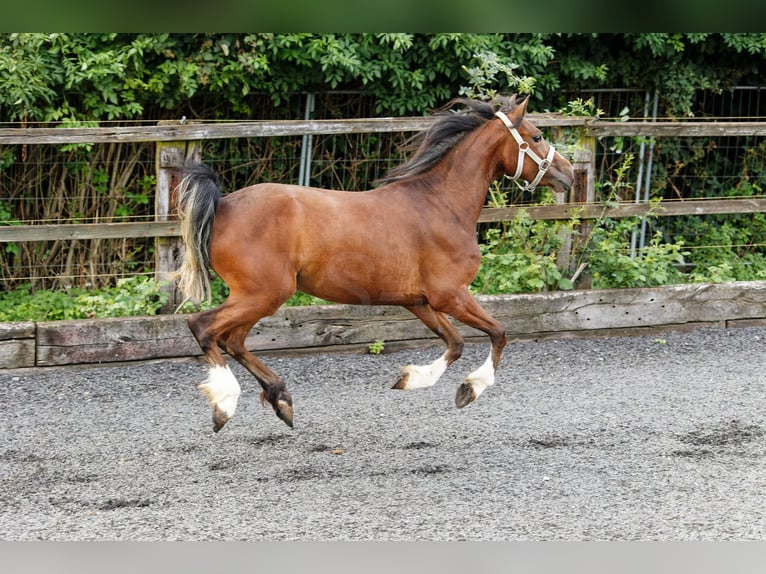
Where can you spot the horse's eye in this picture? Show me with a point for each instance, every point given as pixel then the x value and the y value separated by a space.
pixel 538 138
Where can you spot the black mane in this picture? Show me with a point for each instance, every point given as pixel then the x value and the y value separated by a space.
pixel 449 128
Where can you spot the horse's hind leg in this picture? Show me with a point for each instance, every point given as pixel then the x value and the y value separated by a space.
pixel 221 389
pixel 226 327
pixel 421 376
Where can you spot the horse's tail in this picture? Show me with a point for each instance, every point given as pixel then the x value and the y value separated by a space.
pixel 197 199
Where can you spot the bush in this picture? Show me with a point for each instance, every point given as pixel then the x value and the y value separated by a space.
pixel 611 264
pixel 520 258
pixel 131 296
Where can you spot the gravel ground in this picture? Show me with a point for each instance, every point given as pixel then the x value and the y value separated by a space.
pixel 642 438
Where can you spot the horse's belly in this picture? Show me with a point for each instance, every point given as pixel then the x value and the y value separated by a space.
pixel 360 280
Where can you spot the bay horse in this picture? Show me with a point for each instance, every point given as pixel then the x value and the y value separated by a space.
pixel 411 241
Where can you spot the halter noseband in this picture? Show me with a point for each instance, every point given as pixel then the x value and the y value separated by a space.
pixel 542 164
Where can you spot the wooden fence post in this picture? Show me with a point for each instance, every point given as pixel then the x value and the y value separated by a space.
pixel 583 191
pixel 169 250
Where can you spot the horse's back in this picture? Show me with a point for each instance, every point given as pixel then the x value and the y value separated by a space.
pixel 299 208
pixel 275 198
pixel 274 216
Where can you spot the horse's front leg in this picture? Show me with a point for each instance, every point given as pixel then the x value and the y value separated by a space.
pixel 422 376
pixel 465 309
pixel 274 389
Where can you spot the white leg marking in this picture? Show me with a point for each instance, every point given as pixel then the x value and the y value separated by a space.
pixel 482 377
pixel 221 389
pixel 422 376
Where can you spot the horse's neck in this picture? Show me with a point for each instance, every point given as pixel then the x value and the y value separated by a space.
pixel 464 176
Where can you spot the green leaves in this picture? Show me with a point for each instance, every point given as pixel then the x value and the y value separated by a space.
pixel 520 258
pixel 24 67
pixel 492 76
pixel 376 347
pixel 130 297
pixel 612 265
pixel 124 76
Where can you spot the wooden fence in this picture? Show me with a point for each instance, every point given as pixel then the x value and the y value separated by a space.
pixel 176 140
pixel 528 316
pixel 557 314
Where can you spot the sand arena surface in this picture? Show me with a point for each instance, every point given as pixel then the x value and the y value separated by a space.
pixel 641 438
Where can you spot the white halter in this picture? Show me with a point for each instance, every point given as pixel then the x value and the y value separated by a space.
pixel 542 164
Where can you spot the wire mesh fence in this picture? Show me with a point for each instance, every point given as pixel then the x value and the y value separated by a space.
pixel 88 183
pixel 685 168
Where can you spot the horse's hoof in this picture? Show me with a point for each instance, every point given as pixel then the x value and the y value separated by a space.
pixel 284 411
pixel 220 418
pixel 465 395
pixel 401 382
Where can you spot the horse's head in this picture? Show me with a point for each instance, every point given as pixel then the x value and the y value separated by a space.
pixel 527 156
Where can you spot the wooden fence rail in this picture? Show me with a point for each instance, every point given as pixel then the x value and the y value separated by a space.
pixel 535 316
pixel 286 128
pixel 677 129
pixel 224 130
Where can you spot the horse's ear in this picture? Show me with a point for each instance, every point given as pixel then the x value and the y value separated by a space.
pixel 523 105
pixel 517 114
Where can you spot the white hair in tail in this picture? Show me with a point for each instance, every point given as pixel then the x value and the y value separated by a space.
pixel 197 199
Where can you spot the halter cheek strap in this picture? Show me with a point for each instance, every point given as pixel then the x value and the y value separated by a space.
pixel 524 149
